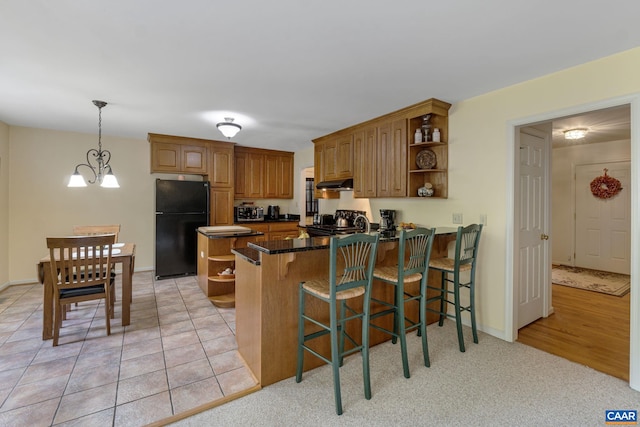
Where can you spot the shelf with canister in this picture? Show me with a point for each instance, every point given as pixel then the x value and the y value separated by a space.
pixel 428 157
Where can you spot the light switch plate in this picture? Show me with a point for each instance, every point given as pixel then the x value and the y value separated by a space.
pixel 483 219
pixel 457 218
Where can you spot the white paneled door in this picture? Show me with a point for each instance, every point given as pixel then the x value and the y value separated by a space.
pixel 533 251
pixel 603 226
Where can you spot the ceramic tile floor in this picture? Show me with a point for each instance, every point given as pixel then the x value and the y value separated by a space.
pixel 179 352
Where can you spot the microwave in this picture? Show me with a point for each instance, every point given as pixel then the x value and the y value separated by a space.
pixel 248 213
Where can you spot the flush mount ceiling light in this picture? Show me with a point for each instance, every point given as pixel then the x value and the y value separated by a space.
pixel 102 173
pixel 228 128
pixel 575 133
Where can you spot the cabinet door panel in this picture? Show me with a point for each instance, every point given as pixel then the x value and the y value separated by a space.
pixel 194 159
pixel 285 174
pixel 364 163
pixel 271 176
pixel 221 206
pixel 384 149
pixel 241 166
pixel 398 159
pixel 222 167
pixel 330 155
pixel 165 157
pixel 255 175
pixel 344 157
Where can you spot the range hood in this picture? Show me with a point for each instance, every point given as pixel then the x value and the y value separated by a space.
pixel 337 185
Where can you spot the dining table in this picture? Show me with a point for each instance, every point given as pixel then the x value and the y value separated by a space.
pixel 123 253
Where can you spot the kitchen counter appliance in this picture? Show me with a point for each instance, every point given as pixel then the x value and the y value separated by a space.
pixel 340 223
pixel 248 214
pixel 273 212
pixel 387 222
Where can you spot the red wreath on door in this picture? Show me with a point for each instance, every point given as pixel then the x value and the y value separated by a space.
pixel 605 187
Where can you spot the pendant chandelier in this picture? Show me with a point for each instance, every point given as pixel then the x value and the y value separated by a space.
pixel 102 173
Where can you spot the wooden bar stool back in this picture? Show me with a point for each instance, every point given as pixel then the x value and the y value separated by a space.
pixel 464 261
pixel 351 263
pixel 414 251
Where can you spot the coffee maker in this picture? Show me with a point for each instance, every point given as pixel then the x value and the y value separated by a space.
pixel 387 222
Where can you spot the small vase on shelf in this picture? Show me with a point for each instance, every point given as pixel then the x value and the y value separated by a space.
pixel 418 136
pixel 436 135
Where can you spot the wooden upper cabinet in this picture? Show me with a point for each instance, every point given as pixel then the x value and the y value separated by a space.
pixel 178 158
pixel 392 159
pixel 249 171
pixel 221 173
pixel 383 153
pixel 285 176
pixel 194 159
pixel 240 170
pixel 221 212
pixel 278 176
pixel 178 154
pixel 338 157
pixel 329 163
pixel 263 174
pixel 344 156
pixel 365 161
pixel 271 176
pixel 318 167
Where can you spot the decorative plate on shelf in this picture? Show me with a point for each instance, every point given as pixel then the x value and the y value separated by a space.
pixel 426 159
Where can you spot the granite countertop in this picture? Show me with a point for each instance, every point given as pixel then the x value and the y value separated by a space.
pixel 273 247
pixel 228 234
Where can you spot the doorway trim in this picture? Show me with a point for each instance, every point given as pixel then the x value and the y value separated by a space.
pixel 511 296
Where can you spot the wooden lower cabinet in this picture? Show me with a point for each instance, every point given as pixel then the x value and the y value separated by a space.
pixel 221 206
pixel 274 230
pixel 214 256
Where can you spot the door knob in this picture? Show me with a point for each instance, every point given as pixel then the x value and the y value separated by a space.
pixel 544 237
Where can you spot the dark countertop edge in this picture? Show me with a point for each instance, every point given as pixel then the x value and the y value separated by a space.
pixel 274 247
pixel 248 254
pixel 226 236
pixel 285 246
pixel 267 221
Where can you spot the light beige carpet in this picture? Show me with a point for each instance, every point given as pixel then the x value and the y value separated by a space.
pixel 591 280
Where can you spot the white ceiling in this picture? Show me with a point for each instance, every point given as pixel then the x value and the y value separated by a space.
pixel 288 71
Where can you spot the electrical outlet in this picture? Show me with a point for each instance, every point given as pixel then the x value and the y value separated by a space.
pixel 483 219
pixel 457 218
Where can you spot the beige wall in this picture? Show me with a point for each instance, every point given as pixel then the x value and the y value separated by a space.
pixel 41 205
pixel 4 205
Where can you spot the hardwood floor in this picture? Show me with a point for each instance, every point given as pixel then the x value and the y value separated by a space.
pixel 586 327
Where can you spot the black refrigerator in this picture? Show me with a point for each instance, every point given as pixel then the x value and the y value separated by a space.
pixel 181 207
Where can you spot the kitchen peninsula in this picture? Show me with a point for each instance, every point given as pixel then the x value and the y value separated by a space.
pixel 267 278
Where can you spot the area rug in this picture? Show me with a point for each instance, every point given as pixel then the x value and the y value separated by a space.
pixel 591 280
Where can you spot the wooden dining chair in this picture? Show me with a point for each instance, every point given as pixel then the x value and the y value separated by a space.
pixel 81 271
pixel 92 230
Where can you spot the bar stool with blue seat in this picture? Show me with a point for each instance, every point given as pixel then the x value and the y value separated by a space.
pixel 414 252
pixel 351 263
pixel 464 261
